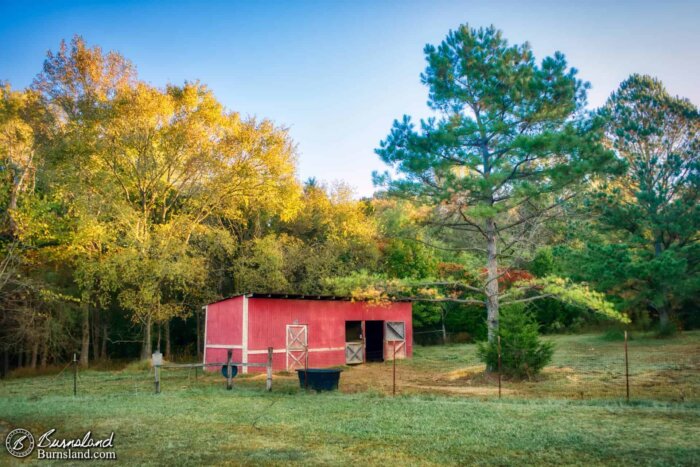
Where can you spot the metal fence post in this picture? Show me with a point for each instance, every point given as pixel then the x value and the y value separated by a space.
pixel 75 374
pixel 229 369
pixel 627 371
pixel 499 367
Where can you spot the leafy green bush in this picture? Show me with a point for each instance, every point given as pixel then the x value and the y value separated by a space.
pixel 523 354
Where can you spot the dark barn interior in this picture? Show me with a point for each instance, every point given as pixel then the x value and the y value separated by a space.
pixel 374 341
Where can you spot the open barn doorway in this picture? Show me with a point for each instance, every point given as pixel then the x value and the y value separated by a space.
pixel 374 341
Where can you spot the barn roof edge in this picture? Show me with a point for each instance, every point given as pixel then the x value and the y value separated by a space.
pixel 297 297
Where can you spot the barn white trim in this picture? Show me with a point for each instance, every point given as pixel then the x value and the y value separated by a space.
pixel 224 346
pixel 319 349
pixel 245 333
pixel 327 349
pixel 264 352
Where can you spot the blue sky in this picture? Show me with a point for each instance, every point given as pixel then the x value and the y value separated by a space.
pixel 337 73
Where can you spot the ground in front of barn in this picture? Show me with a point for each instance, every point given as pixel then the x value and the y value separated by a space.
pixel 447 411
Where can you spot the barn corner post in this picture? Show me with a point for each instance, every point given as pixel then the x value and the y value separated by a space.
pixel 202 346
pixel 245 323
pixel 306 367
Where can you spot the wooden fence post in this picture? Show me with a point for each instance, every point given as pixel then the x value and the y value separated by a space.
pixel 156 369
pixel 499 367
pixel 627 370
pixel 268 385
pixel 229 369
pixel 75 374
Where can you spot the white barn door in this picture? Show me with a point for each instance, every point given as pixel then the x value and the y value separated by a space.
pixel 297 341
pixel 394 340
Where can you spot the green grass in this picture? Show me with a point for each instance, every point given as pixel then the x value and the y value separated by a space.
pixel 207 424
pixel 197 422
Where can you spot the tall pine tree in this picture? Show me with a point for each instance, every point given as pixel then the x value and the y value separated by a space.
pixel 653 207
pixel 507 148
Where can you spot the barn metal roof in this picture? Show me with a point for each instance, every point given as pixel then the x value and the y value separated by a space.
pixel 296 297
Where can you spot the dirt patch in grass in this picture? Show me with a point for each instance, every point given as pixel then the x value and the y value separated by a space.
pixel 465 373
pixel 454 390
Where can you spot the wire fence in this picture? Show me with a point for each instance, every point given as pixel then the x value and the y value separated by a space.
pixel 582 367
pixel 648 368
pixel 592 366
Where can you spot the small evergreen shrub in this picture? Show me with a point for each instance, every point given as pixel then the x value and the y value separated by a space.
pixel 139 365
pixel 523 354
pixel 668 329
pixel 614 334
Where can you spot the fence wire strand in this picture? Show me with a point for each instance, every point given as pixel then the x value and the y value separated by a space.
pixel 582 367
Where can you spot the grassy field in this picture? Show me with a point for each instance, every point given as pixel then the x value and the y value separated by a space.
pixel 584 367
pixel 446 413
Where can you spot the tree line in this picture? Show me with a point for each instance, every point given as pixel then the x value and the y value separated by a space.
pixel 126 207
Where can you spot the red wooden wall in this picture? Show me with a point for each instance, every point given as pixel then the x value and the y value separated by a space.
pixel 223 330
pixel 267 327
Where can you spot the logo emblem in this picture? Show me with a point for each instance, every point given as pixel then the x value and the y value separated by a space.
pixel 19 443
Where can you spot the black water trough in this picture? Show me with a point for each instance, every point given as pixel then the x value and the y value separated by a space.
pixel 320 379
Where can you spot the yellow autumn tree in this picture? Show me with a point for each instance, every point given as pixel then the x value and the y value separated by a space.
pixel 145 172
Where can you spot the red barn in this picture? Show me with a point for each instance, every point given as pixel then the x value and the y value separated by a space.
pixel 333 331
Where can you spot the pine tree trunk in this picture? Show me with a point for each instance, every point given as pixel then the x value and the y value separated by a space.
pixel 492 280
pixel 20 357
pixel 5 363
pixel 658 246
pixel 444 330
pixel 85 345
pixel 146 350
pixel 663 311
pixel 167 339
